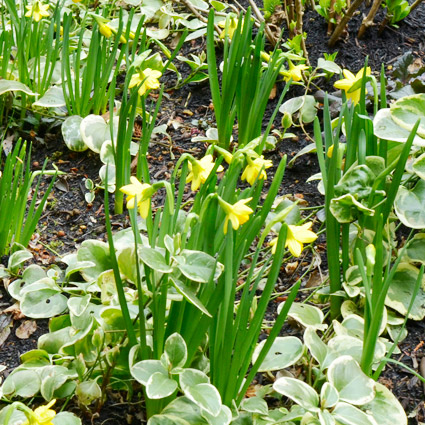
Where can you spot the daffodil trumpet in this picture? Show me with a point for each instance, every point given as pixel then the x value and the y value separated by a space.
pixel 237 213
pixel 140 194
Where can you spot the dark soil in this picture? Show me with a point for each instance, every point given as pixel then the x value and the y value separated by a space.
pixel 68 219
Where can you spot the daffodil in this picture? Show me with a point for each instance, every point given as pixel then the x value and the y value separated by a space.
pixel 296 237
pixel 105 30
pixel 230 29
pixel 141 191
pixel 37 10
pixel 200 170
pixel 238 213
pixel 149 79
pixel 294 72
pixel 42 415
pixel 256 169
pixel 349 81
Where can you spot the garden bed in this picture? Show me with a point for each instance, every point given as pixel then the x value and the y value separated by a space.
pixel 69 219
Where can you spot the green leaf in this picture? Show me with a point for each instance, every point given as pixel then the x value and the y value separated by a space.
pixel 218 5
pixel 9 85
pixel 358 180
pixel 328 396
pixel 198 266
pixel 408 110
pixel 87 392
pixel 317 347
pixel 346 414
pixel 53 98
pixel 387 129
pixel 192 377
pixel 143 370
pixel 418 166
pixel 160 386
pixel 154 259
pixel 410 205
pixel 189 295
pixel 346 208
pixel 206 397
pixel 385 408
pixel 43 303
pixel 352 384
pixel 328 66
pixel 415 250
pixel 22 383
pixel 66 418
pixel 255 405
pixel 307 315
pixel 401 290
pixel 71 134
pixel 95 131
pixel 285 351
pixel 98 253
pixel 18 258
pixel 175 350
pixel 180 411
pixel 298 391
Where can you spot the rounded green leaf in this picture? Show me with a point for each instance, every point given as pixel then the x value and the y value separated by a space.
pixel 66 418
pixel 53 98
pixel 285 351
pixel 71 134
pixel 154 259
pixel 351 383
pixel 175 350
pixel 408 110
pixel 385 408
pixel 346 414
pixel 401 290
pixel 298 391
pixel 410 205
pixel 307 315
pixel 160 386
pixel 43 303
pixel 198 266
pixel 22 383
pixel 328 396
pixel 387 129
pixel 143 370
pixel 206 396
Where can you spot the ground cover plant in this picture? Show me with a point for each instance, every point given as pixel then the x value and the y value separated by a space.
pixel 210 216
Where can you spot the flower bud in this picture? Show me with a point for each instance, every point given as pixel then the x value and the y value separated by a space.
pixel 286 120
pixel 105 30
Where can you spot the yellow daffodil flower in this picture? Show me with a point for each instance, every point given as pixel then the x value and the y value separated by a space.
pixel 141 191
pixel 238 213
pixel 149 77
pixel 76 1
pixel 294 72
pixel 230 30
pixel 37 10
pixel 256 169
pixel 200 170
pixel 105 30
pixel 42 415
pixel 296 237
pixel 349 81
